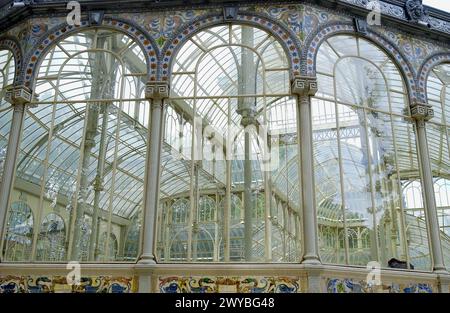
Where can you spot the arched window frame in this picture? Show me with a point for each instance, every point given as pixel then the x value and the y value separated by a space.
pixel 19 213
pixel 128 93
pixel 400 112
pixel 52 239
pixel 172 120
pixel 437 95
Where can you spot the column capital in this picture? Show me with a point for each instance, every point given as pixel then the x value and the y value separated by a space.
pixel 421 111
pixel 17 95
pixel 157 90
pixel 304 85
pixel 248 116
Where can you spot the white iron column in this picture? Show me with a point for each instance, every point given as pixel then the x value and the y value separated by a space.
pixel 156 92
pixel 422 113
pixel 18 96
pixel 306 87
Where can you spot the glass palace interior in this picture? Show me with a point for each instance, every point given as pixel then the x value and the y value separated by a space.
pixel 230 183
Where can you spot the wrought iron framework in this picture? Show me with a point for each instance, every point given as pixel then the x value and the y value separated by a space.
pixel 363 168
pixel 224 77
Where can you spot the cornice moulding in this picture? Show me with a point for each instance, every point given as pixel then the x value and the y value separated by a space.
pixel 392 11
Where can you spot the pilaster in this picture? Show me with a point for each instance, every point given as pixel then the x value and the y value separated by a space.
pixel 422 113
pixel 156 92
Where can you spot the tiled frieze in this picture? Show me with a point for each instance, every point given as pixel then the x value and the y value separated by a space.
pixel 414 49
pixel 163 25
pixel 299 18
pixel 165 31
pixel 346 285
pixel 235 284
pixel 59 284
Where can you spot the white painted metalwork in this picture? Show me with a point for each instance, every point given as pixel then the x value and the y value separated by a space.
pixel 209 84
pixel 371 157
pixel 83 146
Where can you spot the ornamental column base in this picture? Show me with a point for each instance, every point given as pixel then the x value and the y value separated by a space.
pixel 147 259
pixel 311 260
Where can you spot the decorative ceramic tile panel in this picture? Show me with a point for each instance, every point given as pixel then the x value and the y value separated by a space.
pixel 222 284
pixel 335 285
pixel 414 49
pixel 301 19
pixel 12 284
pixel 29 32
pixel 58 284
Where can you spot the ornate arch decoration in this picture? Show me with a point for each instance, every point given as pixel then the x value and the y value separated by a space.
pixel 425 69
pixel 286 37
pixel 10 43
pixel 135 32
pixel 314 41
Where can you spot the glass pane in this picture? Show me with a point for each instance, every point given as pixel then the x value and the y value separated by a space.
pixel 327 181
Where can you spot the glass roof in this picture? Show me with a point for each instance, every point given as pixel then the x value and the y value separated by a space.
pixel 365 152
